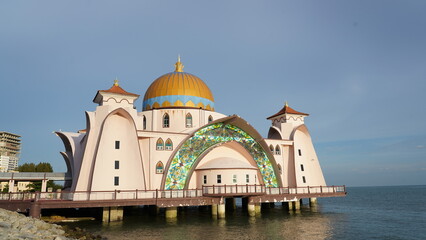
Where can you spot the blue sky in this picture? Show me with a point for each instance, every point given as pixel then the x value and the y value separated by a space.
pixel 357 67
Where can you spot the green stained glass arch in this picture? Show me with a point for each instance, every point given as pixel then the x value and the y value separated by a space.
pixel 185 158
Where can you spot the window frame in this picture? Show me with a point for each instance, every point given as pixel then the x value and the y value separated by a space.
pixel 159 147
pixel 116 181
pixel 166 120
pixel 188 120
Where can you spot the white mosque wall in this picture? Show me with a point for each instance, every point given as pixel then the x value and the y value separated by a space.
pixel 308 170
pixel 118 143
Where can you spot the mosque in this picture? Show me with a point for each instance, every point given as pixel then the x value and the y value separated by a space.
pixel 179 141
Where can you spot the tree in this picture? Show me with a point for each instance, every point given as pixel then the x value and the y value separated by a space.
pixel 27 167
pixel 31 167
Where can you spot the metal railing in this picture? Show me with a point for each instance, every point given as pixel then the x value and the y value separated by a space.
pixel 261 190
pixel 215 190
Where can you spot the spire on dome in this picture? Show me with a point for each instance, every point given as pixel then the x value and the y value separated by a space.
pixel 116 82
pixel 179 66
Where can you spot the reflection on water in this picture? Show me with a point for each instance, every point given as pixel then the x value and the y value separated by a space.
pixel 194 223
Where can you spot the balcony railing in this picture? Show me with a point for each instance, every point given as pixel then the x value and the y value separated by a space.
pixel 205 191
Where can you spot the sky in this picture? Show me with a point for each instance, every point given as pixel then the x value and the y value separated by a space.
pixel 358 67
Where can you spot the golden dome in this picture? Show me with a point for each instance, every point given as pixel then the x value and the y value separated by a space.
pixel 178 89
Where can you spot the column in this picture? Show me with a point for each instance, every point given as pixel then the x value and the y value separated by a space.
pixel 35 210
pixel 171 212
pixel 214 210
pixel 257 209
pixel 221 211
pixel 105 214
pixel 313 201
pixel 11 185
pixel 44 185
pixel 251 208
pixel 296 205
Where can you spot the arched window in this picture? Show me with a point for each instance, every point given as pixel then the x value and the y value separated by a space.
pixel 144 122
pixel 166 121
pixel 210 119
pixel 169 144
pixel 271 148
pixel 277 150
pixel 159 168
pixel 188 120
pixel 160 144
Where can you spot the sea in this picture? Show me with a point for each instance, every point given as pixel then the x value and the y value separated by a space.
pixel 390 213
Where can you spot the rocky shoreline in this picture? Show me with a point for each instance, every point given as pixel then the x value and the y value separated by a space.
pixel 17 226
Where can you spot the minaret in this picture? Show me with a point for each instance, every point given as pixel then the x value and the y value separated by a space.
pixel 287 119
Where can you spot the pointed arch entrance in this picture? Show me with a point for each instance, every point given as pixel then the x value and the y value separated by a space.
pixel 186 157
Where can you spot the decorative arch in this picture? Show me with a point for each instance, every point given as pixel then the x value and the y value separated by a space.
pixel 271 148
pixel 169 145
pixel 160 144
pixel 186 158
pixel 210 119
pixel 144 122
pixel 188 120
pixel 166 120
pixel 274 133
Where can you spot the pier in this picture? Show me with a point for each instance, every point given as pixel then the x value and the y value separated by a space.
pixel 113 201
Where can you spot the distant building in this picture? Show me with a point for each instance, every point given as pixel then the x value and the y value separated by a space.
pixel 10 147
pixel 179 141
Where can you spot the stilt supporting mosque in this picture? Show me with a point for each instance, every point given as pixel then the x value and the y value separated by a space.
pixel 214 210
pixel 112 214
pixel 171 212
pixel 221 210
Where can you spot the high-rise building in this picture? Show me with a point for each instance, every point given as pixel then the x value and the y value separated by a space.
pixel 10 146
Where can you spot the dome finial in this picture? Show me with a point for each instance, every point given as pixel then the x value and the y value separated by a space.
pixel 116 81
pixel 179 66
pixel 286 104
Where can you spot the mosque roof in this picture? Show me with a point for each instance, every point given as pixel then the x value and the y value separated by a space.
pixel 287 110
pixel 117 89
pixel 178 89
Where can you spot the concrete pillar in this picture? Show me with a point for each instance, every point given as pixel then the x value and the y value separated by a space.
pixel 257 209
pixel 105 214
pixel 290 206
pixel 35 210
pixel 44 185
pixel 251 208
pixel 296 205
pixel 313 201
pixel 116 214
pixel 221 211
pixel 214 210
pixel 171 212
pixel 11 185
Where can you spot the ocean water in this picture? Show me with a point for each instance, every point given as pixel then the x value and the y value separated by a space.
pixel 365 213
